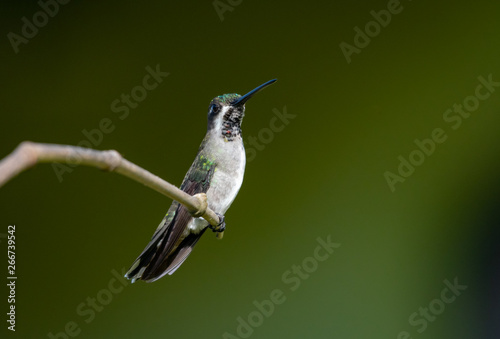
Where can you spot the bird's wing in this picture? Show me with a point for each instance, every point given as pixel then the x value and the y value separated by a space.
pixel 168 248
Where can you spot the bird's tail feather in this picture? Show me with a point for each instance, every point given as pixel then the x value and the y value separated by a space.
pixel 159 257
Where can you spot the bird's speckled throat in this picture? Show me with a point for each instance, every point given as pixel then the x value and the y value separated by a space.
pixel 231 125
pixel 225 119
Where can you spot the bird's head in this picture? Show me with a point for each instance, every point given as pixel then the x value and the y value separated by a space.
pixel 226 112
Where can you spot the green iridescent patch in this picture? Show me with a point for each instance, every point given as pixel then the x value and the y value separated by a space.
pixel 207 164
pixel 227 98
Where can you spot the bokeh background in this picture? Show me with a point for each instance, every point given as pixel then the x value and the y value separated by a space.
pixel 321 176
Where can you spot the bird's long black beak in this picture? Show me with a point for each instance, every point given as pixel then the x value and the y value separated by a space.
pixel 241 100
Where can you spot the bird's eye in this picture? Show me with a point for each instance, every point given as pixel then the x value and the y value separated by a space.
pixel 215 109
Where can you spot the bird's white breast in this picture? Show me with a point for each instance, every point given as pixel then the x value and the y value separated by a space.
pixel 226 181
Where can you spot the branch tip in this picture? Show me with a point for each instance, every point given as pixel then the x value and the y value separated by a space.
pixel 202 205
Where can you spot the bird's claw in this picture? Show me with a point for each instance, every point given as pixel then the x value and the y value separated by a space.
pixel 221 227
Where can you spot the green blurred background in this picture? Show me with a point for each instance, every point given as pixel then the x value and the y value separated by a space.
pixel 322 175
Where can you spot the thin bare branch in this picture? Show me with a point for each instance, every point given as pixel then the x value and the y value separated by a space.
pixel 27 154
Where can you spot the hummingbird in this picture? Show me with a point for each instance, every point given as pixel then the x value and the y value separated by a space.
pixel 218 171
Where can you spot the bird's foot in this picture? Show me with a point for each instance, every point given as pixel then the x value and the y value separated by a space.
pixel 221 227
